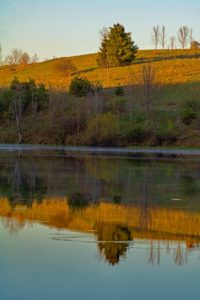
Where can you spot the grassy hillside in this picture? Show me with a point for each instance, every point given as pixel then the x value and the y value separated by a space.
pixel 171 67
pixel 110 120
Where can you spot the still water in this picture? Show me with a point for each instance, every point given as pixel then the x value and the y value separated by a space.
pixel 98 227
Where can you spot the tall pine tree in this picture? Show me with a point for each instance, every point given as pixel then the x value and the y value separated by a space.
pixel 117 47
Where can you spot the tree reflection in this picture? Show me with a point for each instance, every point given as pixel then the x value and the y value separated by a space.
pixel 178 255
pixel 145 214
pixel 190 185
pixel 79 200
pixel 113 241
pixel 154 253
pixel 13 225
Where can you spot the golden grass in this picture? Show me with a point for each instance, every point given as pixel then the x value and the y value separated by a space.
pixel 171 67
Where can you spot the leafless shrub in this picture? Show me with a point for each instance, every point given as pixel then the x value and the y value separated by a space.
pixel 66 67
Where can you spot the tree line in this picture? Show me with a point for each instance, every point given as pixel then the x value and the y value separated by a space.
pixel 88 114
pixel 183 40
pixel 17 57
pixel 20 100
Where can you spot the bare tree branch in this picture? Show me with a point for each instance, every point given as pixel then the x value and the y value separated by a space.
pixel 155 35
pixel 163 36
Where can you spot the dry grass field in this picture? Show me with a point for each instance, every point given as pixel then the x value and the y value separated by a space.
pixel 171 67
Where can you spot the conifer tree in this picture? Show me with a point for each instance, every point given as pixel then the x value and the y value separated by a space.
pixel 117 47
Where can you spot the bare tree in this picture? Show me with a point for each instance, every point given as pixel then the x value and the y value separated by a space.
pixel 14 57
pixel 17 57
pixel 163 36
pixel 155 35
pixel 183 36
pixel 34 59
pixel 102 59
pixel 148 78
pixel 25 59
pixel 104 33
pixel 191 36
pixel 1 56
pixel 130 102
pixel 18 107
pixel 172 42
pixel 131 92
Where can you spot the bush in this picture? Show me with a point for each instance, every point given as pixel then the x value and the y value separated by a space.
pixel 102 130
pixel 189 111
pixel 81 87
pixel 137 133
pixel 188 115
pixel 167 133
pixel 42 97
pixel 5 100
pixel 119 91
pixel 78 200
pixel 66 67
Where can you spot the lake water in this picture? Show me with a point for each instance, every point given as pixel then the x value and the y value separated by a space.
pixel 91 227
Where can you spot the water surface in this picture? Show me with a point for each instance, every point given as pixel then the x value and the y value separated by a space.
pixel 87 227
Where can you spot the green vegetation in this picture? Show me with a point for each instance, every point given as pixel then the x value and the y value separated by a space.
pixel 119 91
pixel 190 111
pixel 80 87
pixel 152 102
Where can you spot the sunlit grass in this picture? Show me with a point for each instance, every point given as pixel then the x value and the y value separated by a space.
pixel 171 67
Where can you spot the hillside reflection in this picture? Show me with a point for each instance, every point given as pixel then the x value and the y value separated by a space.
pixel 120 200
pixel 85 180
pixel 115 226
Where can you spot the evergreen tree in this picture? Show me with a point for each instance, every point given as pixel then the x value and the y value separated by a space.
pixel 117 47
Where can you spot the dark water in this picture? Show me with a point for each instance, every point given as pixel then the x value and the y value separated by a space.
pixel 98 228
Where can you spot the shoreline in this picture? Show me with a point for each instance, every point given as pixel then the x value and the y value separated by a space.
pixel 119 151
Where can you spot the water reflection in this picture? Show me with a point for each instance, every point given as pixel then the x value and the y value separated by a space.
pixel 116 227
pixel 113 241
pixel 26 178
pixel 119 201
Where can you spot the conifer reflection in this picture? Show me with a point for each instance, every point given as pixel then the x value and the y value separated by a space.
pixel 113 241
